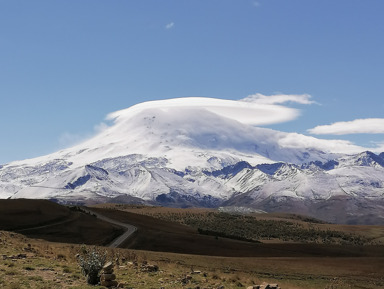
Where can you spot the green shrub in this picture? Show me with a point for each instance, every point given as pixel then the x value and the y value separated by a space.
pixel 91 262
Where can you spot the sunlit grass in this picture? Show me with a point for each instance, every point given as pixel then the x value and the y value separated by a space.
pixel 54 265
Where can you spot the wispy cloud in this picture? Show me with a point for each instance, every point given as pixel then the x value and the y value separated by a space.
pixel 246 111
pixel 379 146
pixel 368 125
pixel 279 98
pixel 170 25
pixel 68 139
pixel 296 140
pixel 256 3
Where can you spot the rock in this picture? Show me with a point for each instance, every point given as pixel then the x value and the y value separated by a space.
pixel 196 272
pixel 110 271
pixel 108 277
pixel 15 257
pixel 109 283
pixel 264 286
pixel 186 279
pixel 108 266
pixel 149 268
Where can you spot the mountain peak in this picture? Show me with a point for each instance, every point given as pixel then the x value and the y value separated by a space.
pixel 192 132
pixel 196 152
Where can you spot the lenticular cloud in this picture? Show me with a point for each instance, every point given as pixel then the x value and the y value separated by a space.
pixel 247 112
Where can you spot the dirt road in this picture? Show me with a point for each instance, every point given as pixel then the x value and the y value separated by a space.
pixel 119 240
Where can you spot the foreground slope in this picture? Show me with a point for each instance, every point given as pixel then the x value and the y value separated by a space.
pixel 41 264
pixel 193 153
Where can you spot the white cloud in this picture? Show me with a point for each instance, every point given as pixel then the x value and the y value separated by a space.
pixel 368 125
pixel 255 111
pixel 100 127
pixel 279 98
pixel 68 139
pixel 245 111
pixel 295 140
pixel 379 146
pixel 256 3
pixel 170 25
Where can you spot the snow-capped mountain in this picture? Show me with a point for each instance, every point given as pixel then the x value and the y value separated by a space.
pixel 174 154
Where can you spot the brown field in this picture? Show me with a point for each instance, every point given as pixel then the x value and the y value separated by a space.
pixel 53 265
pixel 374 234
pixel 22 213
pixel 159 235
pixel 42 219
pixel 177 250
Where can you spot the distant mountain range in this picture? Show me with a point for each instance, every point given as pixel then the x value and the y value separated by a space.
pixel 188 155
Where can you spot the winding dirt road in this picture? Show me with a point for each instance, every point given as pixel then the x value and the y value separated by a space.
pixel 130 229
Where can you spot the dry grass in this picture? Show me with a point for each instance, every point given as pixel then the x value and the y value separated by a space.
pixel 158 235
pixel 33 263
pixel 21 213
pixel 42 219
pixel 373 234
pixel 54 265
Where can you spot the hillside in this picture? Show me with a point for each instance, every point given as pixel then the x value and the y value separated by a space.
pixel 43 219
pixel 259 227
pixel 35 263
pixel 168 227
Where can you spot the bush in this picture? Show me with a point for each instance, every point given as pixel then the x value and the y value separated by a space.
pixel 91 262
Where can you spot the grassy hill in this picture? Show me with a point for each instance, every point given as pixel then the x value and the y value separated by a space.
pixel 164 229
pixel 42 219
pixel 25 213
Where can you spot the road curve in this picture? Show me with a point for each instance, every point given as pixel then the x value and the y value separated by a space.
pixel 130 229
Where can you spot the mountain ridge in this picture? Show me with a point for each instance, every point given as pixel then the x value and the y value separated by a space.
pixel 191 156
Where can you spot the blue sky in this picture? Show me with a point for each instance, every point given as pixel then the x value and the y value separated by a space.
pixel 64 65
